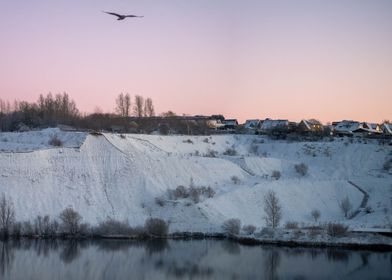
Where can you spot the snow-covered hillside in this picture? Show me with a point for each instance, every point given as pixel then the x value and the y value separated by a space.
pixel 120 177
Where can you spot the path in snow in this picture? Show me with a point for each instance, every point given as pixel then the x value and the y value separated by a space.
pixel 364 200
pixel 242 164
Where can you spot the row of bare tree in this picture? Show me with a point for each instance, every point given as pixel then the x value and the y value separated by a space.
pixel 141 107
pixel 51 110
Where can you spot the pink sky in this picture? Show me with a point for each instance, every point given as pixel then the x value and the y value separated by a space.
pixel 329 60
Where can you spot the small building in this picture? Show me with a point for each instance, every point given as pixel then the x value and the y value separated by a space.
pixel 214 123
pixel 268 125
pixel 252 124
pixel 311 125
pixel 345 127
pixel 386 129
pixel 367 129
pixel 230 124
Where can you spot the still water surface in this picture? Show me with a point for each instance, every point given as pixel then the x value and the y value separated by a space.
pixel 196 259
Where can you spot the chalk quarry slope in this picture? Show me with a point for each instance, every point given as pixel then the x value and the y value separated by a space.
pixel 120 177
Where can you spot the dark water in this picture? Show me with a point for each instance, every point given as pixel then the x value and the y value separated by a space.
pixel 200 259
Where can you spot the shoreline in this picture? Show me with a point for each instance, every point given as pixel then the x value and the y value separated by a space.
pixel 243 240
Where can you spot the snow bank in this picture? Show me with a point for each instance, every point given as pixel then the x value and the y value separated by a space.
pixel 120 177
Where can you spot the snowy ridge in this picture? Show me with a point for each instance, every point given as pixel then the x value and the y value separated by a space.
pixel 120 177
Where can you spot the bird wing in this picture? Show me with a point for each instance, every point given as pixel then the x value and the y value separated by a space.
pixel 133 16
pixel 113 14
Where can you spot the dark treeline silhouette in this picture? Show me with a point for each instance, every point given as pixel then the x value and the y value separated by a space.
pixel 135 116
pixel 48 111
pixel 52 110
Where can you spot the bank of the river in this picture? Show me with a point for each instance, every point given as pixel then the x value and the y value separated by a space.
pixel 355 241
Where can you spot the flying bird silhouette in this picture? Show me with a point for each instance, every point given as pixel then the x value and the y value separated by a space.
pixel 122 17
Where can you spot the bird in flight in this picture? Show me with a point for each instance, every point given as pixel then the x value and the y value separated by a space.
pixel 121 17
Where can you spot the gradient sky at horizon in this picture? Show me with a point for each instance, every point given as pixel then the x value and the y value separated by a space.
pixel 328 60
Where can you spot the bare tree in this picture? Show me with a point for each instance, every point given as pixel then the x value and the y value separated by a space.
pixel 272 209
pixel 346 206
pixel 7 215
pixel 70 221
pixel 138 107
pixel 123 104
pixel 127 104
pixel 315 214
pixel 168 114
pixel 149 108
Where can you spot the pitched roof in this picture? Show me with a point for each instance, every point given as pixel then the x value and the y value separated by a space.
pixel 268 124
pixel 347 126
pixel 251 123
pixel 387 128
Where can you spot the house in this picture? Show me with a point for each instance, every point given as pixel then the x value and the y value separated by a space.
pixel 215 123
pixel 386 129
pixel 363 129
pixel 252 124
pixel 345 127
pixel 230 124
pixel 268 125
pixel 311 125
pixel 374 127
pixel 367 129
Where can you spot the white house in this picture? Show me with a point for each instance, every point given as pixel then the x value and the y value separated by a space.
pixel 268 125
pixel 387 129
pixel 346 127
pixel 252 124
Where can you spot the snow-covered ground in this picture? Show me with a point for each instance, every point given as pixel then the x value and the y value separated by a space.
pixel 120 176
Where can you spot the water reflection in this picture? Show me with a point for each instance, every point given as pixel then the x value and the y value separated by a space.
pixel 201 259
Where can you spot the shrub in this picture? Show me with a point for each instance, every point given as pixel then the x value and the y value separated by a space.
pixel 7 216
pixel 267 232
pixel 27 229
pixel 232 226
pixel 315 214
pixel 336 230
pixel 70 221
pixel 179 192
pixel 189 141
pixel 160 201
pixel 156 227
pixel 84 229
pixel 345 206
pixel 112 227
pixel 55 141
pixel 369 209
pixel 17 229
pixel 249 229
pixel 206 140
pixel 235 180
pixel 208 192
pixel 230 152
pixel 194 194
pixel 276 174
pixel 301 169
pixel 211 153
pixel 291 225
